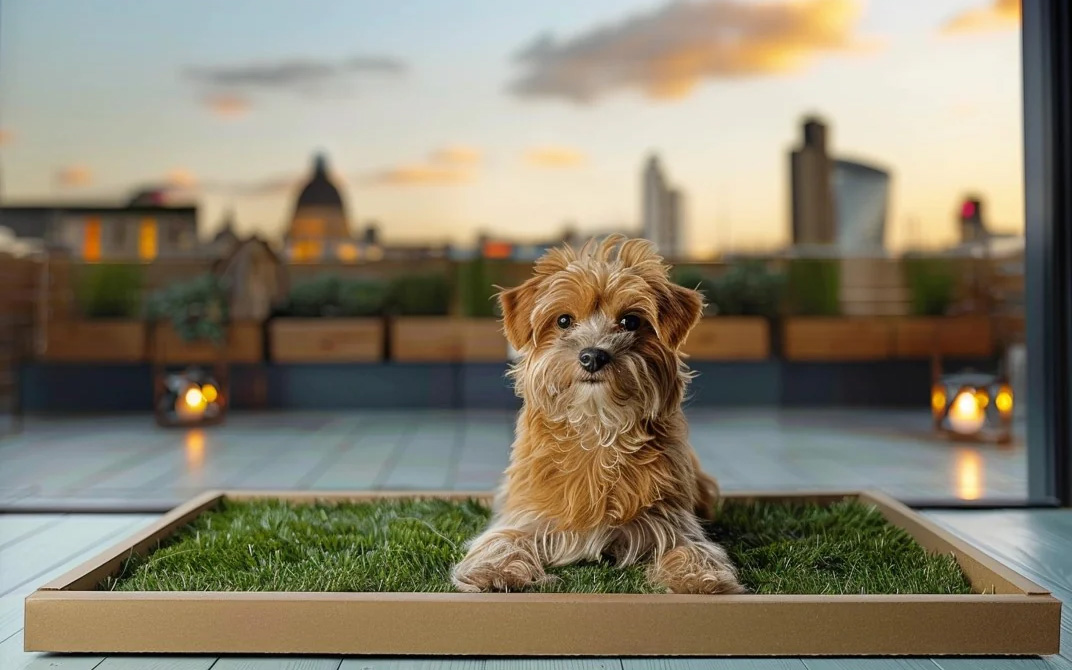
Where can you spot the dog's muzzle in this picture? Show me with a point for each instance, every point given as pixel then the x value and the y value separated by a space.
pixel 593 359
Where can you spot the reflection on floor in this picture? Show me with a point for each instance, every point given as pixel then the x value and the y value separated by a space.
pixel 108 460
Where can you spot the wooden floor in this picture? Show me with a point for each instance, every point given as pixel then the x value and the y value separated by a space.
pixel 122 460
pixel 114 460
pixel 34 548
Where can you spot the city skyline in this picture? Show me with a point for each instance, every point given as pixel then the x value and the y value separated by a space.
pixel 485 125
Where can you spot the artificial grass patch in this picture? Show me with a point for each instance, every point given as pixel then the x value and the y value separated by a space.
pixel 411 545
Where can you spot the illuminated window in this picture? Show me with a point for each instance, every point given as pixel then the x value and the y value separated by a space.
pixel 347 252
pixel 91 240
pixel 307 251
pixel 498 249
pixel 147 239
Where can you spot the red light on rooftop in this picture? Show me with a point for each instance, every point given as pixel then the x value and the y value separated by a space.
pixel 498 250
pixel 968 210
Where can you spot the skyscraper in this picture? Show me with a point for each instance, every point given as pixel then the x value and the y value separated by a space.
pixel 837 204
pixel 810 169
pixel 861 199
pixel 661 210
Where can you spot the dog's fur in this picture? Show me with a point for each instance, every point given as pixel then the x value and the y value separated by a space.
pixel 601 465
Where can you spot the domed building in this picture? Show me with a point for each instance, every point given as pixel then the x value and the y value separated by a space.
pixel 319 229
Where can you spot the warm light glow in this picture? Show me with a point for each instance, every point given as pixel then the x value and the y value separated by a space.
pixel 91 240
pixel 307 251
pixel 982 399
pixel 209 393
pixel 938 400
pixel 195 449
pixel 347 252
pixel 969 472
pixel 1003 400
pixel 147 239
pixel 498 249
pixel 374 253
pixel 965 415
pixel 194 398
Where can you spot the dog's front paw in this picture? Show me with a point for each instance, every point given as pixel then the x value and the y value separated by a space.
pixel 501 560
pixel 697 568
pixel 474 576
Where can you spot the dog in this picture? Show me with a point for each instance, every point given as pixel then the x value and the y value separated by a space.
pixel 601 466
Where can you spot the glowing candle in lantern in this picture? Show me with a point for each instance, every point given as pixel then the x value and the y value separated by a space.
pixel 966 414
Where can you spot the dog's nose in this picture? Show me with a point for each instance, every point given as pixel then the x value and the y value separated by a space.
pixel 593 359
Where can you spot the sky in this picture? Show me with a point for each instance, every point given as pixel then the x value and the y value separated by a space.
pixel 444 119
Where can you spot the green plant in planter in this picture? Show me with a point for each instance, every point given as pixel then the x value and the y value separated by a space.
pixel 694 278
pixel 329 296
pixel 748 288
pixel 110 291
pixel 813 287
pixel 476 281
pixel 197 308
pixel 931 286
pixel 420 295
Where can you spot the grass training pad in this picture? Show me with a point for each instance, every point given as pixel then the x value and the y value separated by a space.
pixel 411 545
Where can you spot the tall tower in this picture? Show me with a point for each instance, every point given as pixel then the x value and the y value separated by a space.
pixel 810 169
pixel 660 210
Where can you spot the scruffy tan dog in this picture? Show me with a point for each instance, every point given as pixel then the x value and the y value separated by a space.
pixel 601 465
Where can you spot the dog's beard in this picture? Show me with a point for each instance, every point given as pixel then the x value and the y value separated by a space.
pixel 612 408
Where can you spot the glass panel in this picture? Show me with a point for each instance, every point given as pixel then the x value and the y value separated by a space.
pixel 841 180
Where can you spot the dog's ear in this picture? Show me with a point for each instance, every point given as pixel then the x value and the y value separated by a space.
pixel 679 310
pixel 517 305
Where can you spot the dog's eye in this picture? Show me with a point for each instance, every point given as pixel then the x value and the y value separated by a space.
pixel 629 322
pixel 565 321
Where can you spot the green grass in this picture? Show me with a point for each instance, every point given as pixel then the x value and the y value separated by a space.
pixel 407 545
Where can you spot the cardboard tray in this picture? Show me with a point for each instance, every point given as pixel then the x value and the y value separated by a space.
pixel 1008 615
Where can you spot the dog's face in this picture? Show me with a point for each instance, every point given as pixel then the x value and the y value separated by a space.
pixel 599 333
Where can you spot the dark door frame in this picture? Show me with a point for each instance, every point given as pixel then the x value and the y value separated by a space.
pixel 1047 100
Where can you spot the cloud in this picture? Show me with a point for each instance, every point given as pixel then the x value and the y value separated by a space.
pixel 273 185
pixel 457 154
pixel 996 15
pixel 74 176
pixel 554 157
pixel 181 178
pixel 666 52
pixel 5 137
pixel 301 76
pixel 422 175
pixel 446 166
pixel 227 106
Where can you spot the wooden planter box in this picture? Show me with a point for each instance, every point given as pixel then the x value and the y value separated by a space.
pixel 447 340
pixel 483 341
pixel 837 339
pixel 245 344
pixel 967 336
pixel 729 338
pixel 104 341
pixel 1007 614
pixel 326 340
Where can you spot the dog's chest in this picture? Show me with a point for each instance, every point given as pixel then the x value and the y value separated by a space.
pixel 581 488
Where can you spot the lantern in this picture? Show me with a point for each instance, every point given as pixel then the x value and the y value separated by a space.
pixel 191 397
pixel 973 406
